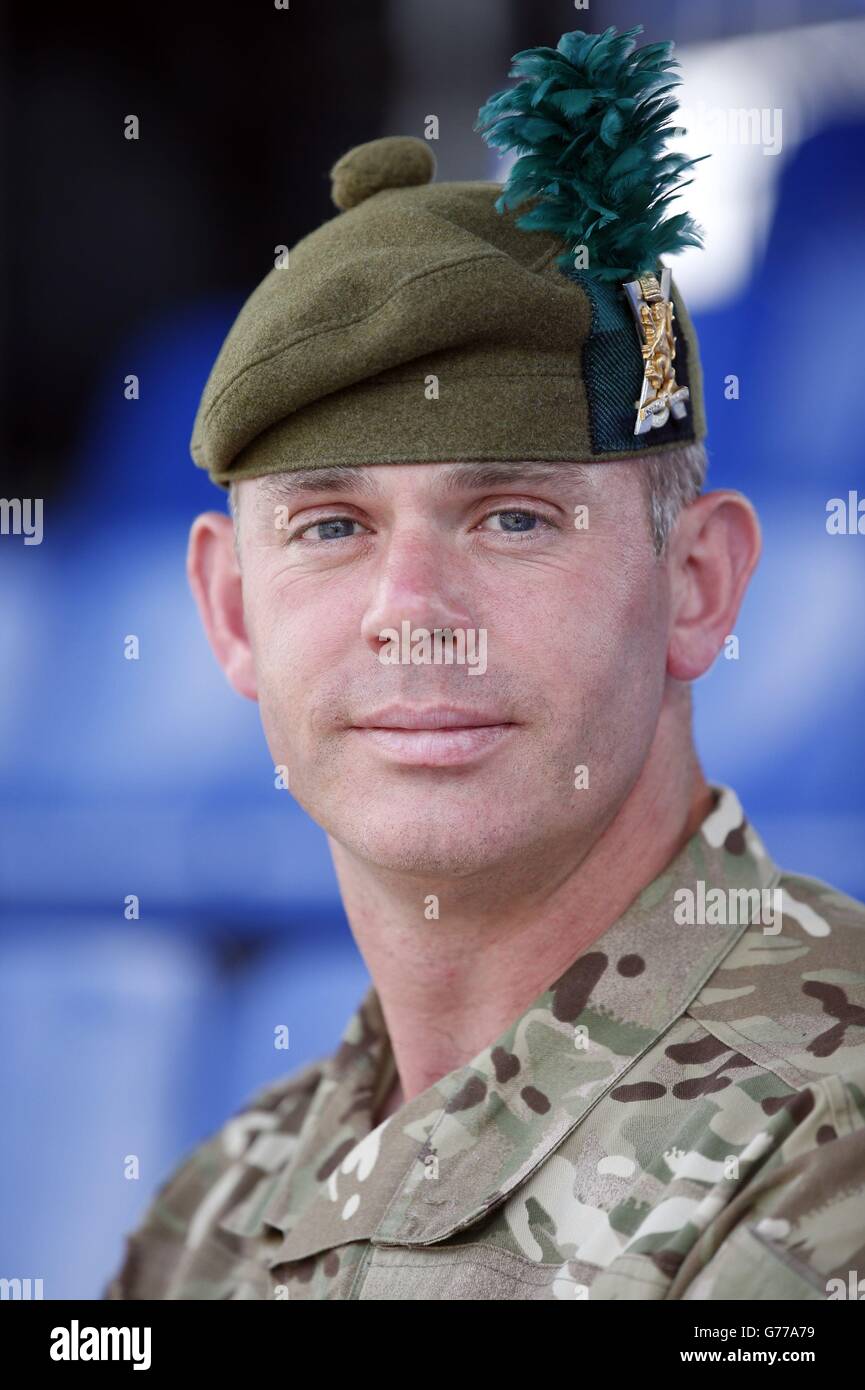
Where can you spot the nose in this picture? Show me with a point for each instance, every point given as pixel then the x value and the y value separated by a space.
pixel 419 581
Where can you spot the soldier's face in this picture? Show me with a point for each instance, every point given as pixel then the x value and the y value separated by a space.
pixel 558 611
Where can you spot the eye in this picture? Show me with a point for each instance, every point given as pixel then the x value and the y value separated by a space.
pixel 514 521
pixel 327 529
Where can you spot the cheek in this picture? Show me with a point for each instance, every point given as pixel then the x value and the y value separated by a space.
pixel 617 609
pixel 615 645
pixel 276 644
pixel 283 643
pixel 299 636
pixel 642 610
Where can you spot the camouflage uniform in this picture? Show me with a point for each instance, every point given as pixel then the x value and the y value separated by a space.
pixel 680 1116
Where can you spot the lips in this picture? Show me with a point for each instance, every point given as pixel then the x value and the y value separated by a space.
pixel 429 717
pixel 435 736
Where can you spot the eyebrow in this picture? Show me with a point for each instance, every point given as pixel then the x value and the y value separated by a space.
pixel 459 477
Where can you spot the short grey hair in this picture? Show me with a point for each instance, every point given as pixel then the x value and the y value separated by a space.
pixel 670 481
pixel 231 504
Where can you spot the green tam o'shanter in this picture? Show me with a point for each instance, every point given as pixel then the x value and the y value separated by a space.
pixel 430 322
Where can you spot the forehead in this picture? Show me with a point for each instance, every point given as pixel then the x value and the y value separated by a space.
pixel 432 479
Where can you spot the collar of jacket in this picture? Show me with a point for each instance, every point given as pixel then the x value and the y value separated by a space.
pixel 456 1151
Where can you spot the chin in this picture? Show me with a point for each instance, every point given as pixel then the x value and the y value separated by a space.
pixel 437 850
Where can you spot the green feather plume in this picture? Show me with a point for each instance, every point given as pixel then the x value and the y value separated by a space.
pixel 590 123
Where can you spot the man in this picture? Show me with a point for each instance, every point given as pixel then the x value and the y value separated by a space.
pixel 611 1050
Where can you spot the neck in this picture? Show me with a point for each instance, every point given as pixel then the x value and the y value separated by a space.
pixel 444 992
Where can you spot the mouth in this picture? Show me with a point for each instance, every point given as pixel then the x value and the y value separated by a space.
pixel 437 736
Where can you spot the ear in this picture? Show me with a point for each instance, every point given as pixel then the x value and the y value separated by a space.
pixel 712 553
pixel 216 582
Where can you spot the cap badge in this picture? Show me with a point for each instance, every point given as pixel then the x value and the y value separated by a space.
pixel 660 397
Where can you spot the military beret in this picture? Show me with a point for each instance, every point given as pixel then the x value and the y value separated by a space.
pixel 431 322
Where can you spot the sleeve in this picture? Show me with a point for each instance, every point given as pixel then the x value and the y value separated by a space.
pixel 157 1253
pixel 796 1230
pixel 153 1251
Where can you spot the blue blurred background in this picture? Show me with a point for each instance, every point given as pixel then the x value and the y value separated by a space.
pixel 151 777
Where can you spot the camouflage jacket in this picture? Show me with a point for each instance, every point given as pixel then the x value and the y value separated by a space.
pixel 681 1115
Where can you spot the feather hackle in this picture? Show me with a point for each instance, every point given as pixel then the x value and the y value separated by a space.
pixel 590 123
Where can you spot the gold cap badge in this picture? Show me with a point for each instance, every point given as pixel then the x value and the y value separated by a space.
pixel 652 305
